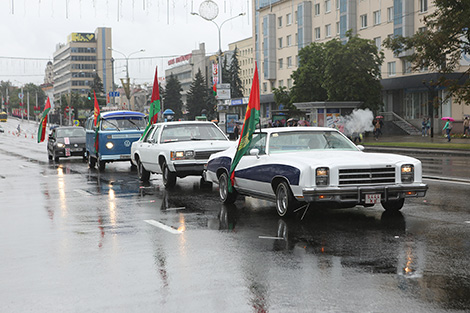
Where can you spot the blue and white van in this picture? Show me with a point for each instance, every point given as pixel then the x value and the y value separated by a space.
pixel 117 130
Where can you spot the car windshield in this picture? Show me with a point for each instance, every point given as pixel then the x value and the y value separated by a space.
pixel 187 132
pixel 305 141
pixel 119 124
pixel 71 132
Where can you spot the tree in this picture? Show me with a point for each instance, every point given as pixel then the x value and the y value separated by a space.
pixel 226 79
pixel 97 85
pixel 172 96
pixel 198 97
pixel 282 97
pixel 309 76
pixel 352 71
pixel 336 71
pixel 441 45
pixel 236 87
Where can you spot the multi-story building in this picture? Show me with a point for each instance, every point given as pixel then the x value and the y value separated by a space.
pixel 78 61
pixel 282 27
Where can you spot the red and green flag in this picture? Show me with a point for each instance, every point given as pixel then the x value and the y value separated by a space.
pixel 249 126
pixel 154 104
pixel 96 122
pixel 43 123
pixel 214 89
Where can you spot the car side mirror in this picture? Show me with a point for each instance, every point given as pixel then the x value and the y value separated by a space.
pixel 361 147
pixel 255 152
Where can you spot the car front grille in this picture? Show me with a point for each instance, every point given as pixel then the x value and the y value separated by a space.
pixel 204 155
pixel 367 176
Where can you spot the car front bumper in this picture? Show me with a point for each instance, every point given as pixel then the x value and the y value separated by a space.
pixel 357 194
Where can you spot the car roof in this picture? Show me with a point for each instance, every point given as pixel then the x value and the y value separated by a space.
pixel 122 113
pixel 67 127
pixel 296 129
pixel 184 123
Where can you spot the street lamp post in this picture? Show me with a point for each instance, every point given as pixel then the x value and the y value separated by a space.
pixel 219 27
pixel 128 95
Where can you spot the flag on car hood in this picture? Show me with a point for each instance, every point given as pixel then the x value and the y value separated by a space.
pixel 154 104
pixel 43 122
pixel 249 126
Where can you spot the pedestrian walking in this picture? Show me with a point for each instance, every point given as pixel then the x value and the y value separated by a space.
pixel 448 129
pixel 428 125
pixel 236 132
pixel 466 124
pixel 377 130
pixel 423 127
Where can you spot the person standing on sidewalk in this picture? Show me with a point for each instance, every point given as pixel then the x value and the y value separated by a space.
pixel 448 129
pixel 466 124
pixel 423 127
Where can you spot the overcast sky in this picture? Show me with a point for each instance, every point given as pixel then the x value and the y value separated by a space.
pixel 31 29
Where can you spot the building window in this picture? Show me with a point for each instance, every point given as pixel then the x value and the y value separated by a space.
pixel 265 87
pixel 423 6
pixel 378 43
pixel 281 83
pixel 328 30
pixel 279 40
pixel 296 39
pixel 289 83
pixel 337 4
pixel 317 9
pixel 363 20
pixel 289 40
pixel 279 21
pixel 389 14
pixel 289 62
pixel 289 19
pixel 317 33
pixel 391 68
pixel 406 67
pixel 377 18
pixel 338 27
pixel 327 6
pixel 280 63
pixel 422 29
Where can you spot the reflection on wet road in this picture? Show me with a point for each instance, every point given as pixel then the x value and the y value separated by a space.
pixel 75 239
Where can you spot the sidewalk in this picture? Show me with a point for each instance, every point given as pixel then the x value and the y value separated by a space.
pixel 437 139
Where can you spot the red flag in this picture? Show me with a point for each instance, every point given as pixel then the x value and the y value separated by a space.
pixel 214 89
pixel 249 125
pixel 154 104
pixel 96 112
pixel 43 122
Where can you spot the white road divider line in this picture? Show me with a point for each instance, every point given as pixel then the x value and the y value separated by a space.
pixel 82 192
pixel 163 226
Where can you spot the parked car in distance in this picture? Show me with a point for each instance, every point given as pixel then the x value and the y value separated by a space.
pixel 1 129
pixel 117 130
pixel 317 166
pixel 66 141
pixel 177 149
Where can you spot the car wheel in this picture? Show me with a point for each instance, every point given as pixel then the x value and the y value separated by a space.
pixel 169 177
pixel 225 195
pixel 56 158
pixel 91 161
pixel 102 166
pixel 285 201
pixel 393 205
pixel 144 175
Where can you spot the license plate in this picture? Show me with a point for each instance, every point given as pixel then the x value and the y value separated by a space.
pixel 373 198
pixel 67 151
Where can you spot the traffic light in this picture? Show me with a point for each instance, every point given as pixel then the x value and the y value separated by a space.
pixel 89 96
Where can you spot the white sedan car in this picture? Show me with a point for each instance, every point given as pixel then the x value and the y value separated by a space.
pixel 177 149
pixel 317 166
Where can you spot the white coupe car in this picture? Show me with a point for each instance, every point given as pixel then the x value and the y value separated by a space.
pixel 318 166
pixel 177 149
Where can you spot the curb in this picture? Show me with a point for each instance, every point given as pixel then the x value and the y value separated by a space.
pixel 417 150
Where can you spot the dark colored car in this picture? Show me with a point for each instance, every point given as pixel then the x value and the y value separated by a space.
pixel 66 141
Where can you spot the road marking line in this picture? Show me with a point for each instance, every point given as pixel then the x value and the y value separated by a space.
pixel 447 181
pixel 82 192
pixel 175 209
pixel 269 237
pixel 163 226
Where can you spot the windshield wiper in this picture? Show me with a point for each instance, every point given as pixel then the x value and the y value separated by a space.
pixel 112 124
pixel 130 121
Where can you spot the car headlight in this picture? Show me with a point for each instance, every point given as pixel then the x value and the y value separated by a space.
pixel 60 145
pixel 322 176
pixel 407 173
pixel 109 145
pixel 182 155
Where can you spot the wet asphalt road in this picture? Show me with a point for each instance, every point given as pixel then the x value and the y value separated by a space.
pixel 77 240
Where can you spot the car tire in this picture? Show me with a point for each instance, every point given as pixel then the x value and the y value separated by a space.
pixel 91 161
pixel 144 175
pixel 169 177
pixel 285 201
pixel 225 195
pixel 393 205
pixel 102 166
pixel 56 158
